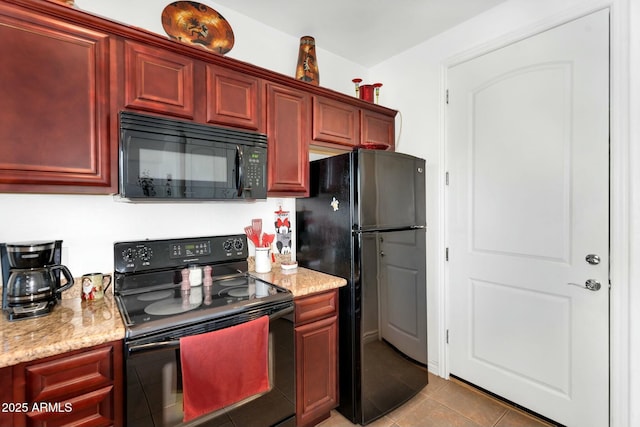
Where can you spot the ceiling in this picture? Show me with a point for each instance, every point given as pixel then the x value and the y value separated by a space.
pixel 365 35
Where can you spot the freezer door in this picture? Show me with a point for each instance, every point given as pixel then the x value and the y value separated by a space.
pixel 403 292
pixel 392 320
pixel 390 192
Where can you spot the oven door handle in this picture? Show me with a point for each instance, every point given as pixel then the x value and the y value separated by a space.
pixel 165 345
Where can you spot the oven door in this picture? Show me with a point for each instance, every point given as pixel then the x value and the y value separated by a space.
pixel 154 384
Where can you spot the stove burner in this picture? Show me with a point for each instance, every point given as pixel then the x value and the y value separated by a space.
pixel 166 307
pixel 157 295
pixel 239 292
pixel 233 282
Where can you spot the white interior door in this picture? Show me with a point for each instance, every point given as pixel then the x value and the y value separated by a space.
pixel 527 203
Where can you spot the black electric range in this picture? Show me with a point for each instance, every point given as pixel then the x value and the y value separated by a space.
pixel 168 290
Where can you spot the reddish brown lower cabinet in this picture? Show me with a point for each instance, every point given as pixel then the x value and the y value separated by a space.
pixel 54 101
pixel 79 388
pixel 288 120
pixel 316 357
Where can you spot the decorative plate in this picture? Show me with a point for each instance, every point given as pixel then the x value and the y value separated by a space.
pixel 194 23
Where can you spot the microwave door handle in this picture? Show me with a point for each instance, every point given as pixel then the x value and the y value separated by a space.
pixel 239 170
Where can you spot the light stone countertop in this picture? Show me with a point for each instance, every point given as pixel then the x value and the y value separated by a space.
pixel 76 324
pixel 301 281
pixel 73 324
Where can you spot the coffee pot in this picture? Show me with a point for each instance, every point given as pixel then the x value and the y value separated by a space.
pixel 31 278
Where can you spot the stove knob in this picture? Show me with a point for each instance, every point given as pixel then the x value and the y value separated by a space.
pixel 145 254
pixel 238 245
pixel 228 245
pixel 128 255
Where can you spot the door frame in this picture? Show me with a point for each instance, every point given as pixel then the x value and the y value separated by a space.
pixel 620 201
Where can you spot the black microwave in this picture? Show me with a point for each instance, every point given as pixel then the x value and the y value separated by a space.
pixel 177 160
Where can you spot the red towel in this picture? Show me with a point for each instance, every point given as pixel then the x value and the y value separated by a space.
pixel 222 367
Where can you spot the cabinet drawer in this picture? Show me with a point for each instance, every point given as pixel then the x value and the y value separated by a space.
pixel 69 376
pixel 96 406
pixel 316 306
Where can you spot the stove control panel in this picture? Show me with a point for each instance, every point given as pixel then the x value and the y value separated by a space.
pixel 145 255
pixel 190 249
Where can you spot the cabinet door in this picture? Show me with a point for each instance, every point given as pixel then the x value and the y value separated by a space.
pixel 288 118
pixel 316 370
pixel 83 387
pixel 233 98
pixel 378 129
pixel 54 99
pixel 158 80
pixel 335 122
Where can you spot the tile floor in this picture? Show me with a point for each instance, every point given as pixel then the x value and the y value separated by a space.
pixel 448 404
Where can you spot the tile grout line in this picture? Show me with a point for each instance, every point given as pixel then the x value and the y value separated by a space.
pixel 506 405
pixel 501 418
pixel 461 414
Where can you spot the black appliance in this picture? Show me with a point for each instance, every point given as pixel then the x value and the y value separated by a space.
pixel 365 221
pixel 178 160
pixel 31 278
pixel 169 289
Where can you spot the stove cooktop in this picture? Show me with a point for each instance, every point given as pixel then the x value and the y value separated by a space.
pixel 165 285
pixel 171 307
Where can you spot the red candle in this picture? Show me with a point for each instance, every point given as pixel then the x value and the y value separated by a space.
pixel 366 92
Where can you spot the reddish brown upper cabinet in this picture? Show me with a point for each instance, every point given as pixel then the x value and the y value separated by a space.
pixel 54 103
pixel 79 388
pixel 316 331
pixel 335 122
pixel 288 120
pixel 158 80
pixel 378 129
pixel 233 98
pixel 341 125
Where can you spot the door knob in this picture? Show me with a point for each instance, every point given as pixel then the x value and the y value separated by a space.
pixel 592 285
pixel 592 259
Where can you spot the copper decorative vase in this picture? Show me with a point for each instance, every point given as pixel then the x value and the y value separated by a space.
pixel 307 68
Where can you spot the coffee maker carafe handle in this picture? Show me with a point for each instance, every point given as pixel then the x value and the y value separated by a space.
pixel 67 274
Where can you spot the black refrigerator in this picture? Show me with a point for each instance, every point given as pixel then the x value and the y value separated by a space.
pixel 365 221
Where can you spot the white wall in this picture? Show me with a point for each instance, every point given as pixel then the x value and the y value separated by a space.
pixel 89 225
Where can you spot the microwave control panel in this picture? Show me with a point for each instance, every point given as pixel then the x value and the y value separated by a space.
pixel 255 171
